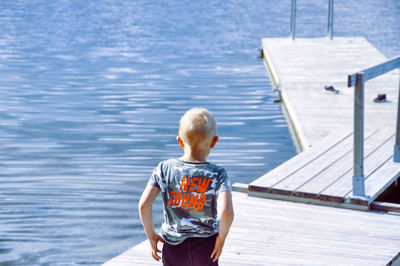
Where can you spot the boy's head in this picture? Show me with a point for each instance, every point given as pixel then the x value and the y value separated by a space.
pixel 198 127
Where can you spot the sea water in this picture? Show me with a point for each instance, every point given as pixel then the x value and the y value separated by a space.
pixel 90 97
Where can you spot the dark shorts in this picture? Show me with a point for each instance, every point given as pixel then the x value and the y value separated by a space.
pixel 194 251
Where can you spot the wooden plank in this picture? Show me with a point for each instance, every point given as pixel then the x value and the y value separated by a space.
pixel 276 219
pixel 312 170
pixel 329 232
pixel 270 66
pixel 342 166
pixel 308 252
pixel 327 167
pixel 240 187
pixel 382 179
pixel 293 233
pixel 315 113
pixel 137 255
pixel 294 164
pixel 296 124
pixel 332 201
pixel 385 206
pixel 343 185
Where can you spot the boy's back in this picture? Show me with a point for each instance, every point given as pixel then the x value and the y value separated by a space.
pixel 189 192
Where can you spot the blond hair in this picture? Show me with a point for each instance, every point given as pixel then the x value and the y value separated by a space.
pixel 196 126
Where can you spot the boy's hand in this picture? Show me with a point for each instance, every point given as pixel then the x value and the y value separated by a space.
pixel 154 249
pixel 219 244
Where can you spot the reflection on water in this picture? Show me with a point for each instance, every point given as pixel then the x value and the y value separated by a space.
pixel 91 95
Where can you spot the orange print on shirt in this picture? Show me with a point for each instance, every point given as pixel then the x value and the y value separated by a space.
pixel 185 198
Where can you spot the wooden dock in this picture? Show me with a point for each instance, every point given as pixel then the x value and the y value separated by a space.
pixel 267 231
pixel 302 68
pixel 323 122
pixel 274 232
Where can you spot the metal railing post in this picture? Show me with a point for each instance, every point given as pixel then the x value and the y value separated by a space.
pixel 396 154
pixel 357 80
pixel 330 20
pixel 358 176
pixel 293 21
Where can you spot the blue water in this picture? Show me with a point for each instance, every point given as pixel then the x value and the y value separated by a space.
pixel 90 97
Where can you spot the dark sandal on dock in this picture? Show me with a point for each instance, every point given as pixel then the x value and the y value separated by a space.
pixel 381 98
pixel 331 89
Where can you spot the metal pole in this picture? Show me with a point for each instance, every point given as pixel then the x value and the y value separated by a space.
pixel 396 154
pixel 358 176
pixel 330 20
pixel 293 21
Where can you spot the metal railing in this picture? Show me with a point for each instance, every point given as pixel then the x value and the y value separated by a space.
pixel 329 31
pixel 358 79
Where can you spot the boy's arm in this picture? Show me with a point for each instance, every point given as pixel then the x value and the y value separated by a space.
pixel 225 213
pixel 146 216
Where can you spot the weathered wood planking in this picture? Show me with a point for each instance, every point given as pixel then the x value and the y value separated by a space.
pixel 305 66
pixel 315 169
pixel 343 186
pixel 324 171
pixel 296 163
pixel 387 174
pixel 343 165
pixel 271 232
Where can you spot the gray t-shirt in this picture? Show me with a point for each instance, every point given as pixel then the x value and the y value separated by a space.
pixel 189 192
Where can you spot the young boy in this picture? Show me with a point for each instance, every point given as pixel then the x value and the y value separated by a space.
pixel 194 193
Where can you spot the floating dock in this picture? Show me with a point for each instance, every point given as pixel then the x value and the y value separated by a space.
pixel 301 69
pixel 274 232
pixel 322 121
pixel 267 231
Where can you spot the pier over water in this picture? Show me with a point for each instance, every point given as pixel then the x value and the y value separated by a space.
pixel 349 153
pixel 323 120
pixel 267 231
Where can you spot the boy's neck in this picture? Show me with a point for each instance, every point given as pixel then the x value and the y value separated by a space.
pixel 192 159
pixel 194 156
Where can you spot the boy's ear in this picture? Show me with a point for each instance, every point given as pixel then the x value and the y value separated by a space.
pixel 214 141
pixel 180 140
